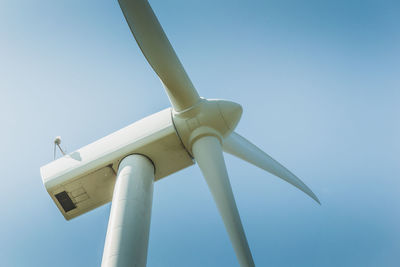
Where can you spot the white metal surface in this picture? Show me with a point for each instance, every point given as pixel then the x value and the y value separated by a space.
pixel 88 174
pixel 159 53
pixel 208 154
pixel 208 117
pixel 240 147
pixel 129 223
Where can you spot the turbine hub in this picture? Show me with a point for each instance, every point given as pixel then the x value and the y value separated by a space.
pixel 208 117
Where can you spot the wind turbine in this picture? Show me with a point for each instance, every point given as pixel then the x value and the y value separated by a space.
pixel 124 165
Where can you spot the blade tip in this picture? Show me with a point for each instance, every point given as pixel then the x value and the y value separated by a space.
pixel 316 200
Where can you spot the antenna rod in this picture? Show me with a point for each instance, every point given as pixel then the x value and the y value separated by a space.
pixel 57 142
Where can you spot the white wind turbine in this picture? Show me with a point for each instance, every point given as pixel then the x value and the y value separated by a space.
pixel 123 165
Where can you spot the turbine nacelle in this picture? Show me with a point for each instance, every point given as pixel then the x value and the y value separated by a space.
pixel 206 118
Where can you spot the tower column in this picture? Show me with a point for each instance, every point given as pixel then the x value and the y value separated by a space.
pixel 129 223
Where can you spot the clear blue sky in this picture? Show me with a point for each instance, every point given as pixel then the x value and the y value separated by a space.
pixel 319 82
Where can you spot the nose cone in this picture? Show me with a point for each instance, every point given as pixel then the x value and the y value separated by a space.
pixel 231 113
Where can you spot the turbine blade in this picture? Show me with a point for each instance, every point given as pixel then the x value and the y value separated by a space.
pixel 242 148
pixel 208 154
pixel 159 53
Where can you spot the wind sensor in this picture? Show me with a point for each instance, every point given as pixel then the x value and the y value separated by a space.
pixel 123 166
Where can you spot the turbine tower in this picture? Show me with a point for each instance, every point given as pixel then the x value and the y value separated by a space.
pixel 124 165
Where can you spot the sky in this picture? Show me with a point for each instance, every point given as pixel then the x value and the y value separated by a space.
pixel 319 84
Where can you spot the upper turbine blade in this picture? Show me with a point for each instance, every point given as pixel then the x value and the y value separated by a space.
pixel 242 148
pixel 208 154
pixel 159 53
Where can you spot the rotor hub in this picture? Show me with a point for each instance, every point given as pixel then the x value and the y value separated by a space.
pixel 208 117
